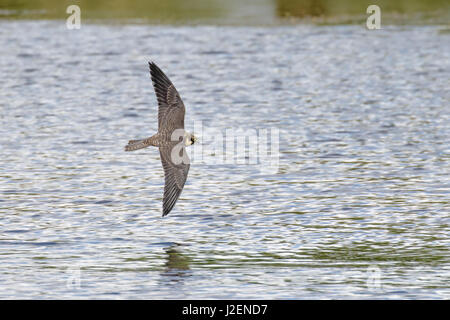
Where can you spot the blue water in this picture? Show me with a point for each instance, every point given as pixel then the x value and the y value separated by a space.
pixel 358 208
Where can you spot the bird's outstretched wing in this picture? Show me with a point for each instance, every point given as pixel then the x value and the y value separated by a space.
pixel 175 177
pixel 170 106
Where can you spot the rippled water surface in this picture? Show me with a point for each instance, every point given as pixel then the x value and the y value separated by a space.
pixel 359 207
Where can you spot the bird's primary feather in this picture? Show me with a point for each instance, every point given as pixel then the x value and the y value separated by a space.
pixel 170 106
pixel 175 177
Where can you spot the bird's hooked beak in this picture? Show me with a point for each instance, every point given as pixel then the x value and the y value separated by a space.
pixel 190 139
pixel 193 139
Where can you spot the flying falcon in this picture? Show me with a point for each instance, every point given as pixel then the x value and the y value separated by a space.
pixel 171 138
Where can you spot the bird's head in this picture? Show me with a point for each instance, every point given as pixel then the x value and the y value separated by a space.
pixel 190 139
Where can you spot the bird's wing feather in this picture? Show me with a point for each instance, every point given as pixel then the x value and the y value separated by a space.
pixel 170 106
pixel 175 176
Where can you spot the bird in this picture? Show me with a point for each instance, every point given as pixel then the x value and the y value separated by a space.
pixel 171 138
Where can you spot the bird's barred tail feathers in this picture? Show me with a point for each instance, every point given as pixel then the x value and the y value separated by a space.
pixel 137 144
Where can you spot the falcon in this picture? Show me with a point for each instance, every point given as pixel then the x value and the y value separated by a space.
pixel 171 138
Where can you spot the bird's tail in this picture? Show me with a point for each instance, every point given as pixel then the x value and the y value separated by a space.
pixel 138 144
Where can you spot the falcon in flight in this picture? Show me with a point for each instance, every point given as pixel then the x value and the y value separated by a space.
pixel 171 138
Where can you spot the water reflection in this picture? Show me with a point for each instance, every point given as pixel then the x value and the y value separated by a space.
pixel 176 266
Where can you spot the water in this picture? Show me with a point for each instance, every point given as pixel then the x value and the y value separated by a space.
pixel 359 207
